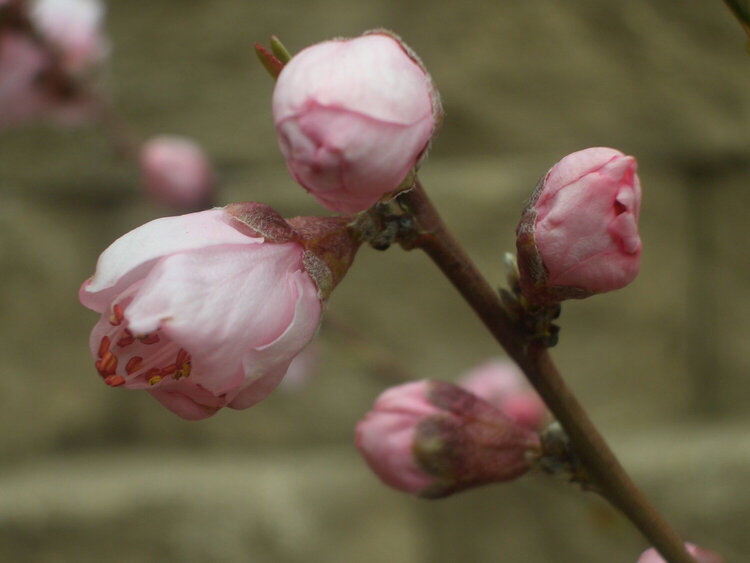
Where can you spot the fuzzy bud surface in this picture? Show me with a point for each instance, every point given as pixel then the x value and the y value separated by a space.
pixel 579 234
pixel 353 118
pixel 432 439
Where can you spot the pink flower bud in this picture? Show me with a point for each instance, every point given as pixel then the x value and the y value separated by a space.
pixel 176 171
pixel 579 234
pixel 701 555
pixel 432 439
pixel 503 385
pixel 74 29
pixel 200 311
pixel 354 117
pixel 21 62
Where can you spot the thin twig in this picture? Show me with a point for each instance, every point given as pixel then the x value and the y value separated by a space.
pixel 534 360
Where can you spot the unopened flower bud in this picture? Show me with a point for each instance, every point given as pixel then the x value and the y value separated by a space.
pixel 432 439
pixel 176 172
pixel 203 310
pixel 354 117
pixel 503 385
pixel 578 236
pixel 701 555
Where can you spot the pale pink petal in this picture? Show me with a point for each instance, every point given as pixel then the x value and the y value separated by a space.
pixel 74 27
pixel 222 302
pixel 573 166
pixel 276 356
pixel 385 85
pixel 585 225
pixel 353 119
pixel 132 255
pixel 188 401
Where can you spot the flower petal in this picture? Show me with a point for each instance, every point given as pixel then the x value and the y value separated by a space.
pixel 133 254
pixel 220 303
pixel 266 365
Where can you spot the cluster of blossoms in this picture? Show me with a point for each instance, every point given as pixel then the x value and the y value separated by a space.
pixel 209 309
pixel 51 52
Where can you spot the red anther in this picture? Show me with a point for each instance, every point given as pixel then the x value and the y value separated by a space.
pixel 151 338
pixel 182 357
pixel 151 373
pixel 117 315
pixel 169 370
pixel 126 339
pixel 134 364
pixel 104 346
pixel 114 380
pixel 107 365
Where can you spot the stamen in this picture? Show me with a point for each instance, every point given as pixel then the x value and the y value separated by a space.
pixel 107 365
pixel 134 364
pixel 151 338
pixel 126 339
pixel 114 380
pixel 117 315
pixel 104 346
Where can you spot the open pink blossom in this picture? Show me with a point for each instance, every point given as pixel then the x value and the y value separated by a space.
pixel 701 555
pixel 579 234
pixel 433 438
pixel 200 311
pixel 354 117
pixel 503 385
pixel 74 29
pixel 176 172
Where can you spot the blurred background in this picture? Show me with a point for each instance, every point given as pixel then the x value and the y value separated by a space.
pixel 89 473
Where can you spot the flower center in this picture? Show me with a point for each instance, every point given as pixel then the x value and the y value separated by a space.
pixel 138 360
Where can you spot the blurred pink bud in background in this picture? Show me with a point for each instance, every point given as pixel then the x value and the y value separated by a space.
pixel 176 172
pixel 502 384
pixel 433 438
pixel 200 312
pixel 701 555
pixel 74 29
pixel 21 62
pixel 47 64
pixel 354 117
pixel 579 234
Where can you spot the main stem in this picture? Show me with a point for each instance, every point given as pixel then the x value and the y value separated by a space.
pixel 533 358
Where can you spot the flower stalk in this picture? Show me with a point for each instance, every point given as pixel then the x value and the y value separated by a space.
pixel 532 356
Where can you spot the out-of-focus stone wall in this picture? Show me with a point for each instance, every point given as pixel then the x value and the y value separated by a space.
pixel 89 473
